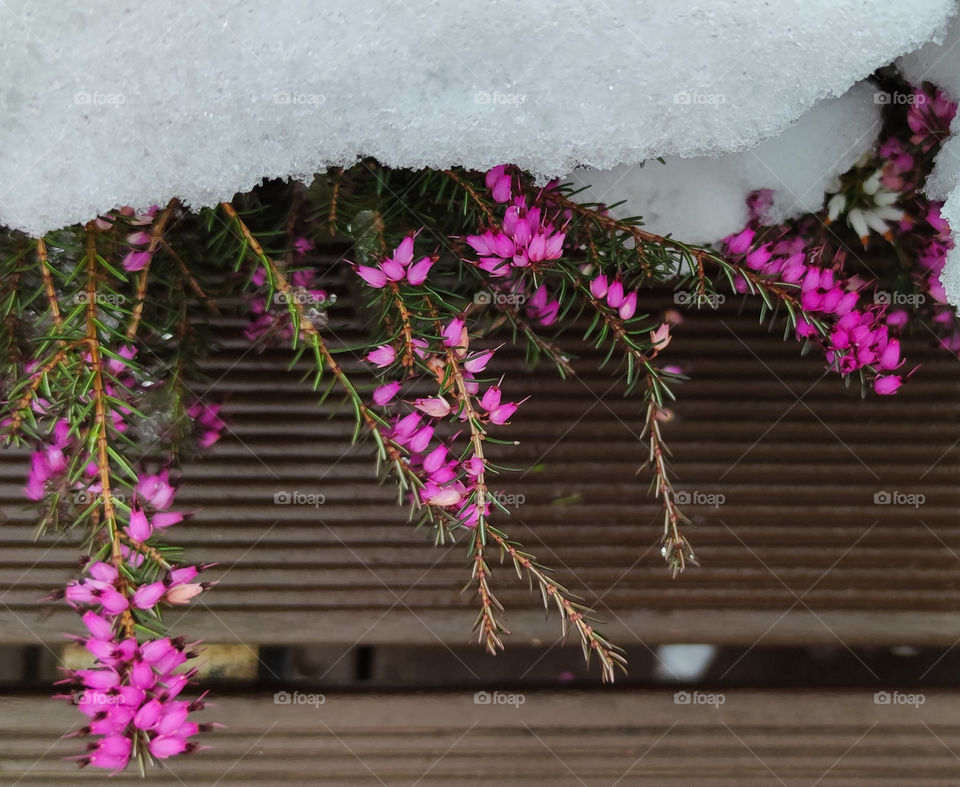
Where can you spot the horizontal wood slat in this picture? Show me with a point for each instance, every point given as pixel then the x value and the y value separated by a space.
pixel 599 738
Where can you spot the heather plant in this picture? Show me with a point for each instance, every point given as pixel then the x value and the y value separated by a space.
pixel 104 325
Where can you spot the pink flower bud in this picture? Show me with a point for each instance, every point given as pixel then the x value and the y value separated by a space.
pixel 148 595
pixel 139 528
pixel 372 276
pixel 491 399
pixel 164 746
pixel 148 715
pixel 629 306
pixel 384 394
pixel 453 333
pixel 503 413
pixel 887 384
pixel 436 407
pixel 435 459
pixel 417 274
pixel 404 252
pixel 598 287
pixel 615 296
pixel 181 594
pixel 382 356
pixel 478 363
pixel 393 270
pixel 99 627
pixel 102 571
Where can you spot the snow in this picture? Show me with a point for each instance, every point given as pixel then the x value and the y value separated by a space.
pixel 703 199
pixel 123 102
pixel 940 64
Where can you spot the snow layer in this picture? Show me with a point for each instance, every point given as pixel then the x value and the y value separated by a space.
pixel 940 64
pixel 134 102
pixel 704 199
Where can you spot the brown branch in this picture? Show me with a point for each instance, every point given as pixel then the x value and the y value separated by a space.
pixel 310 330
pixel 571 613
pixel 407 359
pixel 676 548
pixel 488 214
pixel 49 288
pixel 335 194
pixel 145 550
pixel 100 423
pixel 210 305
pixel 24 401
pixel 156 235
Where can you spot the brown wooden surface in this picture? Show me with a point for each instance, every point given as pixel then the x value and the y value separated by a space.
pixel 799 553
pixel 625 738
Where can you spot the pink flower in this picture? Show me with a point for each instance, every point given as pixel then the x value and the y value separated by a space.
pixel 498 181
pixel 629 306
pixel 417 274
pixel 503 413
pixel 404 252
pixel 454 333
pixel 491 399
pixel 436 407
pixel 739 243
pixel 384 394
pixel 478 363
pixel 372 276
pixel 598 287
pixel 887 384
pixel 660 338
pixel 139 528
pixel 135 261
pixel 615 295
pixel 382 356
pixel 181 594
pixel 147 596
pixel 156 490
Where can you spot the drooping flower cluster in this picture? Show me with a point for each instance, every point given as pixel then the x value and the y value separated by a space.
pixel 397 268
pixel 449 478
pixel 524 238
pixel 858 337
pixel 616 297
pixel 879 195
pixel 270 322
pixel 132 695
